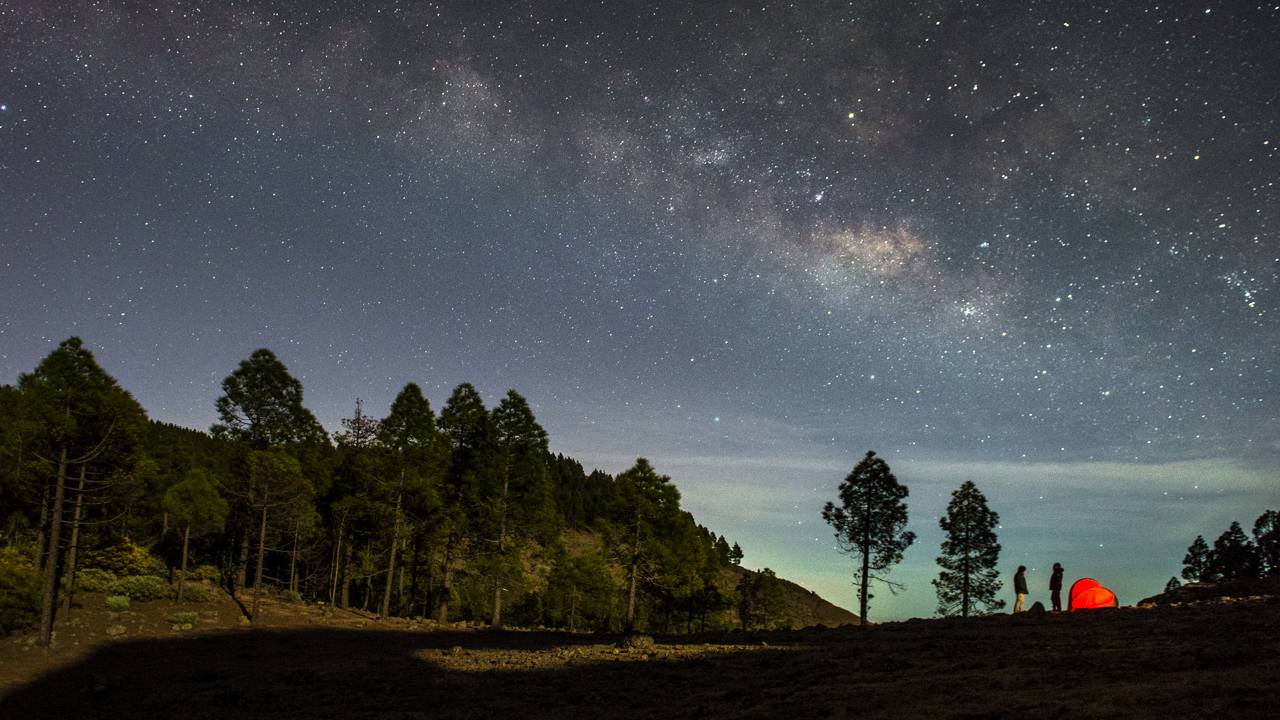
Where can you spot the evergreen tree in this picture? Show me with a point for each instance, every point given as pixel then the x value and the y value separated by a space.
pixel 969 578
pixel 275 486
pixel 869 523
pixel 1233 556
pixel 80 418
pixel 469 433
pixel 521 504
pixel 414 452
pixel 735 554
pixel 194 505
pixel 1172 585
pixel 646 505
pixel 1266 540
pixel 261 405
pixel 1196 561
pixel 260 408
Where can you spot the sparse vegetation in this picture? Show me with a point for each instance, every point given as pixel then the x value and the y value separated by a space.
pixel 19 591
pixel 117 603
pixel 141 588
pixel 184 617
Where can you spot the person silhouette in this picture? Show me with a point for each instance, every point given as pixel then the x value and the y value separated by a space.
pixel 1055 587
pixel 1020 587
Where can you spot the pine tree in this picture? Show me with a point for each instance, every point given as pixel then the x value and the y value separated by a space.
pixel 194 505
pixel 869 523
pixel 414 463
pixel 1172 585
pixel 1266 540
pixel 468 430
pixel 80 418
pixel 647 504
pixel 1233 556
pixel 521 501
pixel 969 578
pixel 261 405
pixel 1196 561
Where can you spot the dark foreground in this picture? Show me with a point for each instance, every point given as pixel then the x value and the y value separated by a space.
pixel 1207 661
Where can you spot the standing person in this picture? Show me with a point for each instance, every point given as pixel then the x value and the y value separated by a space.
pixel 1055 587
pixel 1020 587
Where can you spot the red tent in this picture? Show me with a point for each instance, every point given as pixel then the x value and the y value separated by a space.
pixel 1088 594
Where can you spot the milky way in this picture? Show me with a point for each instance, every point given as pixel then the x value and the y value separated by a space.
pixel 1028 244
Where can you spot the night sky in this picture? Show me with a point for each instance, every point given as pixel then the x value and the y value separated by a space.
pixel 1030 244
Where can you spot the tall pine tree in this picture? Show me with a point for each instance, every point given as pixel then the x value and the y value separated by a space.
pixel 969 579
pixel 1196 562
pixel 869 523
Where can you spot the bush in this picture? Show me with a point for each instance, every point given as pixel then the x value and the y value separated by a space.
pixel 196 592
pixel 205 572
pixel 126 559
pixel 141 587
pixel 19 591
pixel 95 580
pixel 184 618
pixel 117 603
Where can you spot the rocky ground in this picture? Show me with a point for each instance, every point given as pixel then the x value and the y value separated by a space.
pixel 1199 659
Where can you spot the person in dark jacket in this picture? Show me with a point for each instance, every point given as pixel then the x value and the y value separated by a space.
pixel 1055 587
pixel 1020 587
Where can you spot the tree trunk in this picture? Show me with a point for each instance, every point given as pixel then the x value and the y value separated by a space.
pixel 242 571
pixel 182 574
pixel 72 551
pixel 866 566
pixel 385 610
pixel 293 562
pixel 399 606
pixel 633 572
pixel 337 568
pixel 573 607
pixel 502 548
pixel 255 618
pixel 446 588
pixel 38 559
pixel 48 598
pixel 345 599
pixel 413 572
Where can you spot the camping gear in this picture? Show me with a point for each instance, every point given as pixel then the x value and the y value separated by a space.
pixel 1089 594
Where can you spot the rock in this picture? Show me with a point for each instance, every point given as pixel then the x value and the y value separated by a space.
pixel 1037 608
pixel 115 630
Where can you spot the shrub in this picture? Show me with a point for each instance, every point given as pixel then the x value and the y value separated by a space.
pixel 184 618
pixel 19 591
pixel 196 592
pixel 117 603
pixel 205 572
pixel 95 580
pixel 141 587
pixel 127 558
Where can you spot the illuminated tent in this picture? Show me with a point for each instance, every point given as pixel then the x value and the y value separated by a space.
pixel 1088 594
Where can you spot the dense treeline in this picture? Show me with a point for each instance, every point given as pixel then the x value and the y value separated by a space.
pixel 464 515
pixel 1234 555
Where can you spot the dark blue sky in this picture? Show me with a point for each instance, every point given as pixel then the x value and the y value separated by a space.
pixel 1029 244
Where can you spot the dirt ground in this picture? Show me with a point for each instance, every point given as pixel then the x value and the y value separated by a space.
pixel 1216 660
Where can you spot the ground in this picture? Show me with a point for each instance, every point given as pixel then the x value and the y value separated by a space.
pixel 1194 660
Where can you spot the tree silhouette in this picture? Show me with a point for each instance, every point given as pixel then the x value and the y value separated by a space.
pixel 1196 561
pixel 1233 556
pixel 80 417
pixel 970 553
pixel 869 523
pixel 1266 540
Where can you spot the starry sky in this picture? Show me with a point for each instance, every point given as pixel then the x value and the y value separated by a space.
pixel 1029 244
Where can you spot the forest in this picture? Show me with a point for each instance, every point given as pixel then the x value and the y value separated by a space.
pixel 458 516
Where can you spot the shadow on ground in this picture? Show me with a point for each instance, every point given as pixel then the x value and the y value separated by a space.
pixel 1126 663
